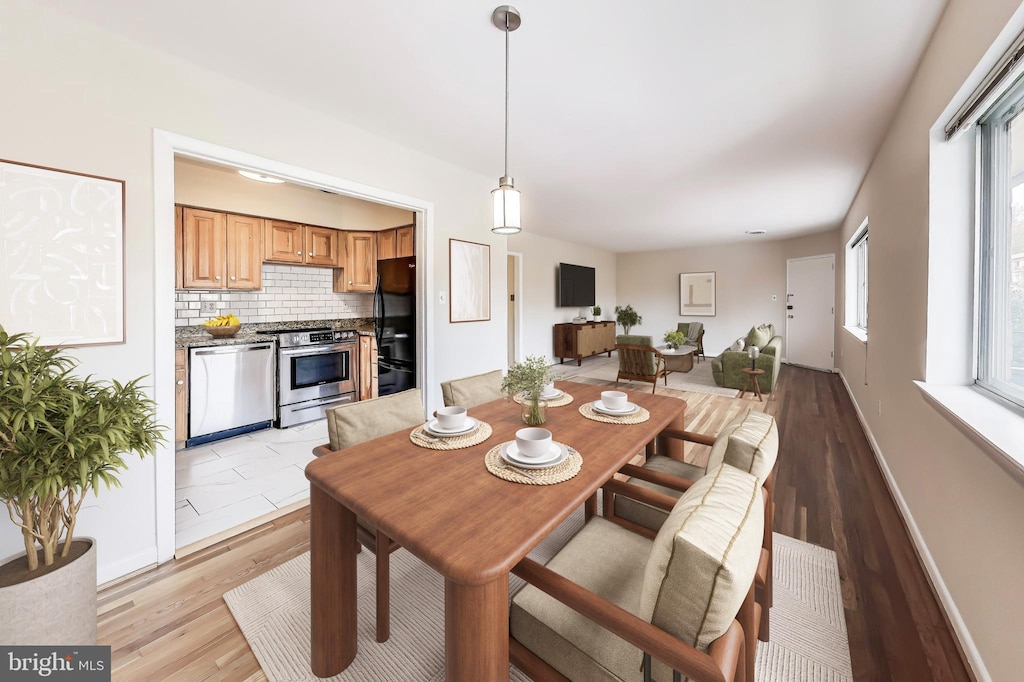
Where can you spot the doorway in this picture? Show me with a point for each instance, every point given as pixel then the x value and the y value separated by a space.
pixel 514 276
pixel 811 312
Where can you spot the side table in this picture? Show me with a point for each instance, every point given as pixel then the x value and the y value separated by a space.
pixel 752 375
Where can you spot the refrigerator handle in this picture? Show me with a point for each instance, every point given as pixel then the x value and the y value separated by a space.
pixel 378 312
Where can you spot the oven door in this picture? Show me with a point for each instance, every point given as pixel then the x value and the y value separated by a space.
pixel 312 372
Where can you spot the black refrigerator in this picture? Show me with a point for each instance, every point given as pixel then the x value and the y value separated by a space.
pixel 394 324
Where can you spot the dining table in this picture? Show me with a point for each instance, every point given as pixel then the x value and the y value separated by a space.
pixel 466 523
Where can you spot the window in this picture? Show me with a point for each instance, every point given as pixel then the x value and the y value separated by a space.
pixel 857 282
pixel 1000 292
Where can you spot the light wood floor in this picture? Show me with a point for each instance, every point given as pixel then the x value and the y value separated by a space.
pixel 171 623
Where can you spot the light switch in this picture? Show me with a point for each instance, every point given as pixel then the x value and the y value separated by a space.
pixel 442 298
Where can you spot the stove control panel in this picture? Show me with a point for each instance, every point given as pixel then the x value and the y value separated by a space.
pixel 330 336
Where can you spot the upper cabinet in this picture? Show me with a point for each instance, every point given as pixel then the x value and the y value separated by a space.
pixel 360 268
pixel 405 241
pixel 322 246
pixel 244 252
pixel 219 251
pixel 301 244
pixel 386 243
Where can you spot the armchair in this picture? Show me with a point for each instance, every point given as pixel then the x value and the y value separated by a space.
pixel 727 368
pixel 639 360
pixel 684 327
pixel 612 599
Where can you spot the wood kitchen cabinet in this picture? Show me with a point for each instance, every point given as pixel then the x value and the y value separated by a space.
pixel 578 341
pixel 301 244
pixel 386 244
pixel 244 252
pixel 359 272
pixel 219 251
pixel 405 238
pixel 322 246
pixel 180 397
pixel 179 260
pixel 367 367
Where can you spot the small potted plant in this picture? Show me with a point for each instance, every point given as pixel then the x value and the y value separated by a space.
pixel 675 339
pixel 61 436
pixel 627 317
pixel 597 312
pixel 529 378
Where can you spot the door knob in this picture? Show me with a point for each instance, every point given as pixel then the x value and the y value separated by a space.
pixel 789 316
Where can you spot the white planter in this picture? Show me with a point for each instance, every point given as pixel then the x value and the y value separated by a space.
pixel 55 608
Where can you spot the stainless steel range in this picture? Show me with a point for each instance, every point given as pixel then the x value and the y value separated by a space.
pixel 316 369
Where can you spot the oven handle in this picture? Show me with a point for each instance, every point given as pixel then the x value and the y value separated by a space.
pixel 317 350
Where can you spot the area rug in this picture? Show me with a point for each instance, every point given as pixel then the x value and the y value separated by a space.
pixel 808 630
pixel 697 380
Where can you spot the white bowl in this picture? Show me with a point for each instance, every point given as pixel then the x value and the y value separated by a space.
pixel 451 418
pixel 533 442
pixel 614 400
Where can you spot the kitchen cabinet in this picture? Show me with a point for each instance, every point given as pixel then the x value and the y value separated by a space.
pixel 386 244
pixel 301 244
pixel 322 246
pixel 219 251
pixel 405 245
pixel 367 367
pixel 180 397
pixel 359 272
pixel 179 264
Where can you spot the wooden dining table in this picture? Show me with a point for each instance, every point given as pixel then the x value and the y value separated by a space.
pixel 467 524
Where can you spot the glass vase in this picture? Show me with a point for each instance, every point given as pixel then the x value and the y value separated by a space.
pixel 535 411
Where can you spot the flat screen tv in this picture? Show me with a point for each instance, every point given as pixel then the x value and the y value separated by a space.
pixel 575 285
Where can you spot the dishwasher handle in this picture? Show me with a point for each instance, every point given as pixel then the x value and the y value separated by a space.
pixel 240 348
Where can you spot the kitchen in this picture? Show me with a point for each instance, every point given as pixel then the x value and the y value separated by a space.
pixel 297 267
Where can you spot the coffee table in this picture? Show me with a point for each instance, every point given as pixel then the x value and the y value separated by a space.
pixel 678 359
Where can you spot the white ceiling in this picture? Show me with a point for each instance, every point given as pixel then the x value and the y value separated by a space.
pixel 672 122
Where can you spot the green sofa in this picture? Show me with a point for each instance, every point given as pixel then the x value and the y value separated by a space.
pixel 727 368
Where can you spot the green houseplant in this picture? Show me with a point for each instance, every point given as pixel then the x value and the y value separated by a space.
pixel 627 317
pixel 529 377
pixel 597 312
pixel 674 339
pixel 61 436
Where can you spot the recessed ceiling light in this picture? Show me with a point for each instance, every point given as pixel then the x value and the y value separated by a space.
pixel 260 177
pixel 756 232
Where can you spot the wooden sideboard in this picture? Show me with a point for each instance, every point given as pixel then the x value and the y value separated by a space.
pixel 578 341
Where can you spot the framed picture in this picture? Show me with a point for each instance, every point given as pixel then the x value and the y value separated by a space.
pixel 61 255
pixel 469 281
pixel 697 293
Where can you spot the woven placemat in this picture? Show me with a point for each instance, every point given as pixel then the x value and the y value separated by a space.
pixel 560 401
pixel 638 417
pixel 467 440
pixel 546 476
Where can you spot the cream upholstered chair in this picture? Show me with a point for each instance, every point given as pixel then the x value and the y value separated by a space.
pixel 676 597
pixel 472 391
pixel 354 423
pixel 750 443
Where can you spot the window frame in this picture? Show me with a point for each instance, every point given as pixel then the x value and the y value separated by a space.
pixel 858 281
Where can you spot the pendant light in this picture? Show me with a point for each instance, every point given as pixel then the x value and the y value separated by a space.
pixel 506 196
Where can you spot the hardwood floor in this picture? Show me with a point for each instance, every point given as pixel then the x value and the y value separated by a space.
pixel 171 623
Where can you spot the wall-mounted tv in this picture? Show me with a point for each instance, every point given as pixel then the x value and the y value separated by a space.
pixel 575 285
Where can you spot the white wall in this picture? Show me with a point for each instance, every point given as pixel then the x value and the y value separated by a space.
pixel 87 100
pixel 968 510
pixel 748 274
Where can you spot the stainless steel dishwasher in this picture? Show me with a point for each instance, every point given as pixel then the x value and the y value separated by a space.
pixel 232 390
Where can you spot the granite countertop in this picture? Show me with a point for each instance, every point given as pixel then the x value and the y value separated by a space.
pixel 196 337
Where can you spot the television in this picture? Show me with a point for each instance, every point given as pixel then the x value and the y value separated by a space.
pixel 575 286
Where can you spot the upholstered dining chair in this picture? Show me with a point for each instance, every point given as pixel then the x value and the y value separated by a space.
pixel 750 443
pixel 472 391
pixel 639 360
pixel 354 423
pixel 614 604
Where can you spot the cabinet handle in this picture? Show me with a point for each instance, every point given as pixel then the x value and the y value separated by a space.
pixel 232 278
pixel 310 253
pixel 180 382
pixel 217 278
pixel 350 281
pixel 298 253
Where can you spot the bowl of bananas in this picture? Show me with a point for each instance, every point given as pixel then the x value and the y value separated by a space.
pixel 223 326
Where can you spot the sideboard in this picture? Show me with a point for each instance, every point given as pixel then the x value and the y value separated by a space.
pixel 578 341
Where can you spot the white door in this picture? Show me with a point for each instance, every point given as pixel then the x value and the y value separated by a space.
pixel 811 311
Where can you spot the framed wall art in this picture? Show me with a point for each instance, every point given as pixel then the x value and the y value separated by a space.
pixel 61 255
pixel 469 281
pixel 697 293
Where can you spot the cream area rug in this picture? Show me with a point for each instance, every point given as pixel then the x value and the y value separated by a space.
pixel 808 630
pixel 697 380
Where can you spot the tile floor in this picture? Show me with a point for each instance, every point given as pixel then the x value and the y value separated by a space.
pixel 221 485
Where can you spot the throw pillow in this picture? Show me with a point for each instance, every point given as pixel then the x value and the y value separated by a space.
pixel 758 336
pixel 738 344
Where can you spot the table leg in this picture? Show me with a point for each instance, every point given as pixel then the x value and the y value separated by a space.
pixel 332 567
pixel 673 447
pixel 590 507
pixel 476 631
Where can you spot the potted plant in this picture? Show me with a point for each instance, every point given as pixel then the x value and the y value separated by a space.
pixel 627 317
pixel 597 312
pixel 529 378
pixel 60 437
pixel 674 339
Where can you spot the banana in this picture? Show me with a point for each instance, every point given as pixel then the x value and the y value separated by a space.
pixel 223 321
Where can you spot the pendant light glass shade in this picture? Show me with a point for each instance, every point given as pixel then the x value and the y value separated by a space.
pixel 506 208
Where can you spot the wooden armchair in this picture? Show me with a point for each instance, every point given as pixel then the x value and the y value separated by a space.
pixel 639 360
pixel 354 423
pixel 750 443
pixel 612 599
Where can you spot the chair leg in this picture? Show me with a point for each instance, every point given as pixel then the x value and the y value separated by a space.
pixel 383 587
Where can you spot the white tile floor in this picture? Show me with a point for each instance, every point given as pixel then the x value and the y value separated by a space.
pixel 224 484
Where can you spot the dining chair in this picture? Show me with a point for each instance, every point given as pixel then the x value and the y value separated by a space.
pixel 614 602
pixel 472 391
pixel 354 423
pixel 750 443
pixel 639 360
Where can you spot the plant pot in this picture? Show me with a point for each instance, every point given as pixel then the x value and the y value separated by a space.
pixel 55 608
pixel 535 412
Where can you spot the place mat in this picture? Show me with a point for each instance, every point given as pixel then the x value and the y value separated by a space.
pixel 638 417
pixel 546 476
pixel 560 401
pixel 466 440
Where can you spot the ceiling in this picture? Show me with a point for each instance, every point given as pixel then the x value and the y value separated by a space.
pixel 675 123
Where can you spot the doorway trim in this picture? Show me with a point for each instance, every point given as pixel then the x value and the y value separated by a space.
pixel 831 256
pixel 166 145
pixel 517 309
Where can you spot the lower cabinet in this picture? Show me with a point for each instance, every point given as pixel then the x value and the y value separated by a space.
pixel 578 341
pixel 367 367
pixel 180 397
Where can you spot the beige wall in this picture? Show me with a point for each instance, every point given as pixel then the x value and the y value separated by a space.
pixel 748 274
pixel 224 189
pixel 968 510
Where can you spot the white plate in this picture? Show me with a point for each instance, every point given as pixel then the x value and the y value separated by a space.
pixel 555 394
pixel 558 454
pixel 599 407
pixel 434 429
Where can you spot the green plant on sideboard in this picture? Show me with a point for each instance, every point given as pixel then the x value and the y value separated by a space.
pixel 627 317
pixel 596 310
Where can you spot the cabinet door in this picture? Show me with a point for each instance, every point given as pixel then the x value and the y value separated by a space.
pixel 202 238
pixel 367 367
pixel 321 246
pixel 180 396
pixel 386 244
pixel 179 256
pixel 406 246
pixel 360 261
pixel 244 252
pixel 282 242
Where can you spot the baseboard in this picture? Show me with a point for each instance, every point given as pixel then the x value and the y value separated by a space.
pixel 185 550
pixel 968 651
pixel 119 570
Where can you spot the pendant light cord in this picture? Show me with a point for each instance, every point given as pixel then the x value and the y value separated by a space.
pixel 506 95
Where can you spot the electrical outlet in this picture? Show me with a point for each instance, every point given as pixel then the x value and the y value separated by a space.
pixel 441 298
pixel 208 307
